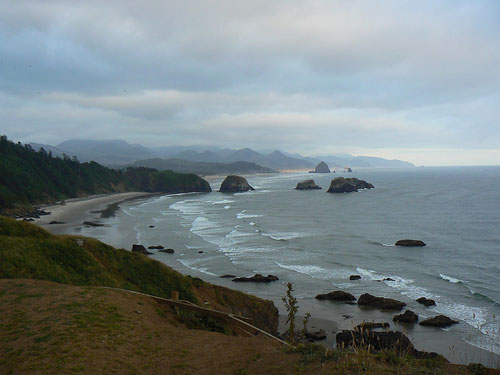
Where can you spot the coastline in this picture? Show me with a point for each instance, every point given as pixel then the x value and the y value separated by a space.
pixel 78 210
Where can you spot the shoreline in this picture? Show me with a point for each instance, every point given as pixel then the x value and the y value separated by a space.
pixel 449 344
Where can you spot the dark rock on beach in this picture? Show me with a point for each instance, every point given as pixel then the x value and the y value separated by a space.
pixel 57 222
pixel 337 295
pixel 390 340
pixel 316 335
pixel 257 278
pixel 168 251
pixel 307 185
pixel 410 243
pixel 235 184
pixel 426 301
pixel 408 317
pixel 354 277
pixel 140 249
pixel 227 276
pixel 157 247
pixel 92 224
pixel 347 185
pixel 380 302
pixel 151 226
pixel 371 325
pixel 440 321
pixel 388 279
pixel 322 167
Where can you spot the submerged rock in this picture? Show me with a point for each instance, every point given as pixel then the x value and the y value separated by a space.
pixel 380 302
pixel 307 185
pixel 426 301
pixel 157 247
pixel 410 243
pixel 337 295
pixel 322 167
pixel 92 224
pixel 440 321
pixel 57 222
pixel 258 278
pixel 354 277
pixel 235 184
pixel 347 185
pixel 168 251
pixel 408 317
pixel 227 276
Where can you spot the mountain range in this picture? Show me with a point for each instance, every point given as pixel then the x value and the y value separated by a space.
pixel 118 153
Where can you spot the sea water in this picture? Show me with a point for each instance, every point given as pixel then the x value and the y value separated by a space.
pixel 316 240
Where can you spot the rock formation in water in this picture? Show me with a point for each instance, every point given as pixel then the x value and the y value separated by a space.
pixel 380 302
pixel 322 167
pixel 440 321
pixel 337 295
pixel 410 243
pixel 426 301
pixel 257 278
pixel 307 185
pixel 408 317
pixel 235 184
pixel 347 185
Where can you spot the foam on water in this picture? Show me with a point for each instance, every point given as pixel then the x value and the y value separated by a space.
pixel 190 264
pixel 224 201
pixel 243 215
pixel 316 271
pixel 188 206
pixel 283 236
pixel 450 279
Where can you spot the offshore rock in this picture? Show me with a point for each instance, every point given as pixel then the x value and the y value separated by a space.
pixel 354 277
pixel 347 185
pixel 257 278
pixel 408 317
pixel 322 167
pixel 235 184
pixel 426 301
pixel 168 251
pixel 307 185
pixel 410 243
pixel 380 302
pixel 440 321
pixel 337 295
pixel 140 249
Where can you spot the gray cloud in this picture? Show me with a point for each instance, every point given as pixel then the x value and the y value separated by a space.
pixel 305 76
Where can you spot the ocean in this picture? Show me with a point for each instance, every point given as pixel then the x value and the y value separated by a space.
pixel 316 240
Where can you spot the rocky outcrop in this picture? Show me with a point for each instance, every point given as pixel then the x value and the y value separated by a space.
pixel 408 317
pixel 322 167
pixel 57 222
pixel 380 302
pixel 371 325
pixel 440 321
pixel 348 185
pixel 390 340
pixel 92 224
pixel 235 184
pixel 168 251
pixel 227 276
pixel 157 247
pixel 140 249
pixel 410 243
pixel 337 295
pixel 257 278
pixel 426 301
pixel 354 277
pixel 307 185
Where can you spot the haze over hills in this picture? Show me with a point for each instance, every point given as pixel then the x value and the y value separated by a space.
pixel 118 153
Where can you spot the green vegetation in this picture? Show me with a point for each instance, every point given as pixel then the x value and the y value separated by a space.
pixel 291 306
pixel 28 177
pixel 28 251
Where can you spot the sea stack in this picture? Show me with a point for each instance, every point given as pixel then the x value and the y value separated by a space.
pixel 322 167
pixel 307 185
pixel 347 185
pixel 235 184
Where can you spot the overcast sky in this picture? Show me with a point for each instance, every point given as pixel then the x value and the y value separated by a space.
pixel 414 80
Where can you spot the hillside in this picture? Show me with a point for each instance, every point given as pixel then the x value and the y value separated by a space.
pixel 202 168
pixel 28 177
pixel 56 319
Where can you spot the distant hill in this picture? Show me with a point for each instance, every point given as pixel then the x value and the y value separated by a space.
pixel 117 153
pixel 105 152
pixel 202 168
pixel 28 177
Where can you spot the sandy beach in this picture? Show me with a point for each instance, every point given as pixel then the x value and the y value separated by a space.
pixel 75 211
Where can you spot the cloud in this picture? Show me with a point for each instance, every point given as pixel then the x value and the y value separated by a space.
pixel 335 74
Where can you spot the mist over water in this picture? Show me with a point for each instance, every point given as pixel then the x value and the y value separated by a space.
pixel 316 240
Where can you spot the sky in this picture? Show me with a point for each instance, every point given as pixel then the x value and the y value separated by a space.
pixel 413 80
